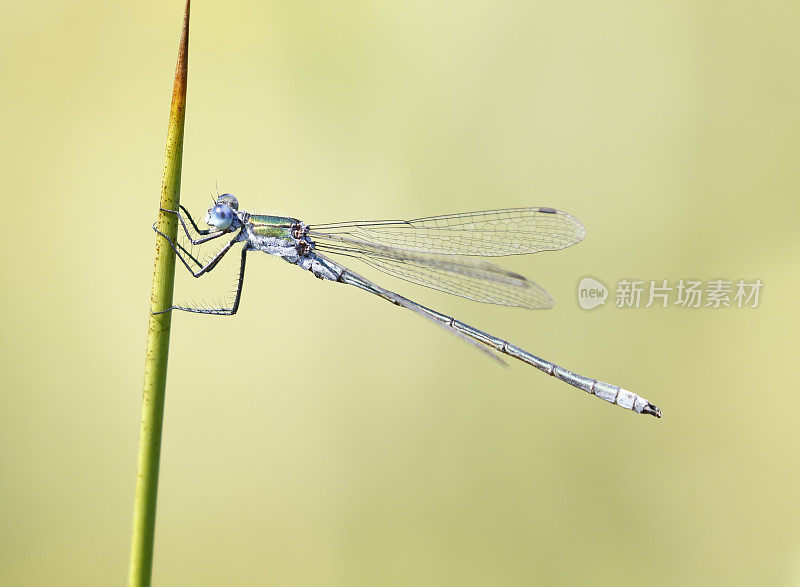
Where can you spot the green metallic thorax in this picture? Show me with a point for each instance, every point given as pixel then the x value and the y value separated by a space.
pixel 272 226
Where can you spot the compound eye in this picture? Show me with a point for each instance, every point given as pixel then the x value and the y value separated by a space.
pixel 229 200
pixel 220 216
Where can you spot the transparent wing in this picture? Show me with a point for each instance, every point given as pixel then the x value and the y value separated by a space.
pixel 473 279
pixel 490 233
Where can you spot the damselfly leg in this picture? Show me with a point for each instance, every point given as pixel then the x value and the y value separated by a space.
pixel 198 230
pixel 206 235
pixel 228 311
pixel 203 269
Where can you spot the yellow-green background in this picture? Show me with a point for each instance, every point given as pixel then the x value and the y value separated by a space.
pixel 322 437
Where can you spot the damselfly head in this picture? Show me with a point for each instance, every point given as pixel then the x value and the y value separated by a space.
pixel 220 216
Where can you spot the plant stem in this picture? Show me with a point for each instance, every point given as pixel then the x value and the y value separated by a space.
pixel 155 368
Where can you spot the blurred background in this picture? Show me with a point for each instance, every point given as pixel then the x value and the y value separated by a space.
pixel 323 437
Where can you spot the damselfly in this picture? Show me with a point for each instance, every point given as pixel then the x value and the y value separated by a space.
pixel 438 252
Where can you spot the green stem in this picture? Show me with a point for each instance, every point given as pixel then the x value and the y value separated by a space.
pixel 155 368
